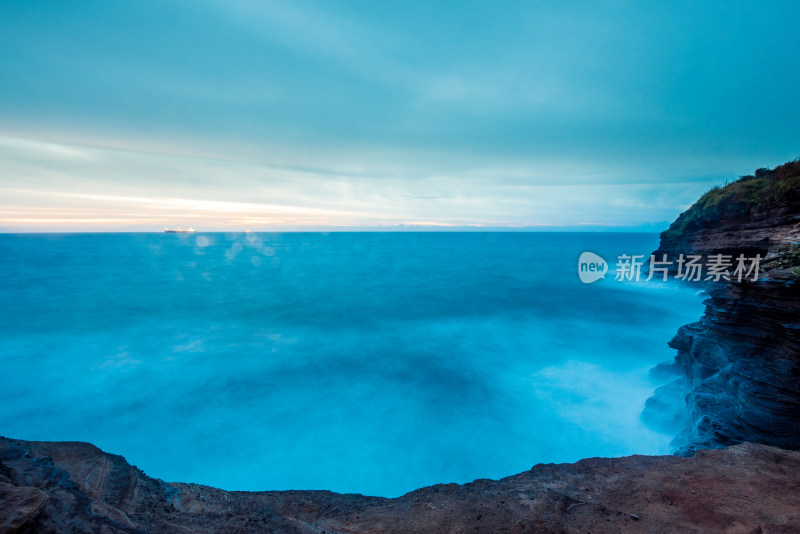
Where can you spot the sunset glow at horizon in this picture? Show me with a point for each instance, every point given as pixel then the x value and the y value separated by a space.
pixel 278 115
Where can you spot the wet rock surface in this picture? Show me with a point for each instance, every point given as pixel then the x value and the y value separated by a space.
pixel 741 367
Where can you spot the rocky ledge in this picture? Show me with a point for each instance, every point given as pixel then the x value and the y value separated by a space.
pixel 76 487
pixel 739 366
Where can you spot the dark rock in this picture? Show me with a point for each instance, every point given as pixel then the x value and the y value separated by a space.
pixel 741 362
pixel 666 410
pixel 20 507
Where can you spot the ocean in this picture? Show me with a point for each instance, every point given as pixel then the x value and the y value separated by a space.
pixel 370 363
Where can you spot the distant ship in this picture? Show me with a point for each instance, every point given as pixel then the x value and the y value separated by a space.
pixel 179 230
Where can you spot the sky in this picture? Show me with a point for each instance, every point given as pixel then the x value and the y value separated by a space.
pixel 239 114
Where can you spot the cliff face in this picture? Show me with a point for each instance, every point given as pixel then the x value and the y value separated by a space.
pixel 75 487
pixel 740 364
pixel 757 230
pixel 756 213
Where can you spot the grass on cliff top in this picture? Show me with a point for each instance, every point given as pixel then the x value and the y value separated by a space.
pixel 765 188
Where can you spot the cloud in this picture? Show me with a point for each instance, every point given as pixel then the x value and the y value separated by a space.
pixel 50 186
pixel 380 113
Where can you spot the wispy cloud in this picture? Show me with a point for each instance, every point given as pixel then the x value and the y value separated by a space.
pixel 53 186
pixel 519 114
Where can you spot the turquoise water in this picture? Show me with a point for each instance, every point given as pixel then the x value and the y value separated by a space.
pixel 357 362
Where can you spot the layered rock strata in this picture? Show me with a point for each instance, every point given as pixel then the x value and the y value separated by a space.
pixel 739 365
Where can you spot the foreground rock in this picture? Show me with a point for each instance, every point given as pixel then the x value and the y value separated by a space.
pixel 75 487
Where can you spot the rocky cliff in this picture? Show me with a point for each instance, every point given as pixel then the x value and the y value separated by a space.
pixel 740 364
pixel 75 487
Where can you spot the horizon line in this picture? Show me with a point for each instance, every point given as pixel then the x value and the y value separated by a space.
pixel 370 229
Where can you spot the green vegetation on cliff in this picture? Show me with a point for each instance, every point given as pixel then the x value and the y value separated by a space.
pixel 761 190
pixel 788 256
